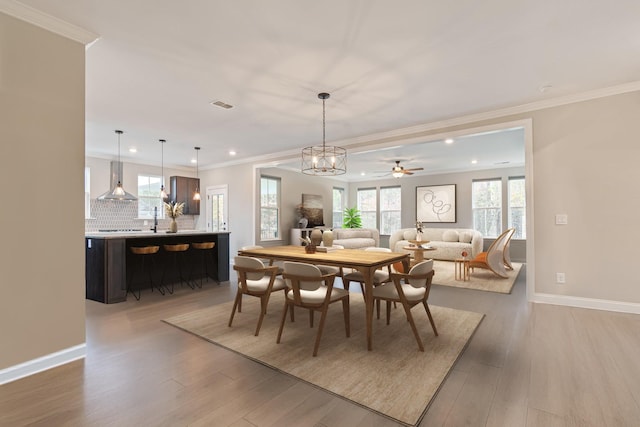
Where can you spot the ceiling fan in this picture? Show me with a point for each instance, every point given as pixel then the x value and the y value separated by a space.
pixel 398 171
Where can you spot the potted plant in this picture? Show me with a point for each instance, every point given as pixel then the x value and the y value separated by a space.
pixel 352 218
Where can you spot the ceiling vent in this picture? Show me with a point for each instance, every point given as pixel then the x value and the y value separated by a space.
pixel 221 104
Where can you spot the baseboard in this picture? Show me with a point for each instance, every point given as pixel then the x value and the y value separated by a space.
pixel 592 303
pixel 43 363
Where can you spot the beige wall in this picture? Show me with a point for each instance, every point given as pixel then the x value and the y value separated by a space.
pixel 41 168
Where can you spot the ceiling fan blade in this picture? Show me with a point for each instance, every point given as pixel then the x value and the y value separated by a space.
pixel 406 172
pixel 415 169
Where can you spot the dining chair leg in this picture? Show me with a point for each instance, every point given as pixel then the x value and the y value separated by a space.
pixel 236 304
pixel 433 325
pixel 388 311
pixel 407 310
pixel 284 317
pixel 311 318
pixel 347 318
pixel 292 316
pixel 323 317
pixel 264 301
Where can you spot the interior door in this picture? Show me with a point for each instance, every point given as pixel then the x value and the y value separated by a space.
pixel 217 208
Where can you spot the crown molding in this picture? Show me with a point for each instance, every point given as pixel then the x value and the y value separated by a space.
pixel 402 133
pixel 48 22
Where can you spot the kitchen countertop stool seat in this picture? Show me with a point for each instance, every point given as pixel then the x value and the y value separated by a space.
pixel 204 248
pixel 145 258
pixel 177 254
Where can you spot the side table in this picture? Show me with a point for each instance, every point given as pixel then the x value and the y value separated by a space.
pixel 462 269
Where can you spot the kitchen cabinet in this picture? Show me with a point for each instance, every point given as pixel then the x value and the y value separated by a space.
pixel 182 189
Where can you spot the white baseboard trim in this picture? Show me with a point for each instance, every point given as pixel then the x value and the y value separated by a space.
pixel 43 363
pixel 592 303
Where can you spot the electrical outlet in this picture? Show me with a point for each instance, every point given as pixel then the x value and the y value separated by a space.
pixel 560 278
pixel 562 219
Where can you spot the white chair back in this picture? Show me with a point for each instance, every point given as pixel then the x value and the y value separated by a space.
pixel 376 249
pixel 250 263
pixel 420 269
pixel 302 269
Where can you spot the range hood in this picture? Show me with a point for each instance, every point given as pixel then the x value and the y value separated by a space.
pixel 116 192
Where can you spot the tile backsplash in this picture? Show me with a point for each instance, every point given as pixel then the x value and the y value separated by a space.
pixel 122 215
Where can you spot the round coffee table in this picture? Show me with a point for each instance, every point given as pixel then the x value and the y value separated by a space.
pixel 418 252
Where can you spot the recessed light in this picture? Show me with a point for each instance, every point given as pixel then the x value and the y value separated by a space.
pixel 232 153
pixel 448 141
pixel 193 160
pixel 362 174
pixel 133 150
pixel 474 161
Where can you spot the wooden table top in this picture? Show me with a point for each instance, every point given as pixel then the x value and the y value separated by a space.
pixel 338 257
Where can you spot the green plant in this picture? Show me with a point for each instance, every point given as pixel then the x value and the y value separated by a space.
pixel 352 218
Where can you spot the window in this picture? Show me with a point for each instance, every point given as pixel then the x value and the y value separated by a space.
pixel 87 192
pixel 517 206
pixel 269 208
pixel 367 205
pixel 149 196
pixel 390 207
pixel 487 206
pixel 338 206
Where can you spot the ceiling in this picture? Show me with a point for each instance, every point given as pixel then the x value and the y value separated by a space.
pixel 387 65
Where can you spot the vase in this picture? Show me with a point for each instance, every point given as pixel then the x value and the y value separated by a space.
pixel 419 237
pixel 310 249
pixel 327 238
pixel 303 222
pixel 173 226
pixel 316 237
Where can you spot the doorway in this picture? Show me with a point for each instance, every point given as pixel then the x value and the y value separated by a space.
pixel 217 208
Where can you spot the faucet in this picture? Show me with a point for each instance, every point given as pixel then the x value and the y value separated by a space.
pixel 155 219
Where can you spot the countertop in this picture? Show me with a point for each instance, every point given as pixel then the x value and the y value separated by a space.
pixel 146 234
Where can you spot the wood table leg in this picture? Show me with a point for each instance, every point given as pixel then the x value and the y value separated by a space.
pixel 367 274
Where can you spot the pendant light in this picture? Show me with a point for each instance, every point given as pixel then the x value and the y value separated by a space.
pixel 117 192
pixel 196 195
pixel 324 160
pixel 163 194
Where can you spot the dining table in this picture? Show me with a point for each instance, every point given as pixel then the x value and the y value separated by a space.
pixel 366 262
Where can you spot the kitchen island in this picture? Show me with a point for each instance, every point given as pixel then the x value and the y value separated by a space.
pixel 109 261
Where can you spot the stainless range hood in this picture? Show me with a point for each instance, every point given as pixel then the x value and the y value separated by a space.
pixel 116 192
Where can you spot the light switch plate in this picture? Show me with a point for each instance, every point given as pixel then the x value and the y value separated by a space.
pixel 562 219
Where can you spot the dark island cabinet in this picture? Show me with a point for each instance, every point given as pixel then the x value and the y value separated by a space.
pixel 109 261
pixel 182 189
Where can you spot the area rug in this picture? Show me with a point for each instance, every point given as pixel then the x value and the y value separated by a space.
pixel 395 379
pixel 480 279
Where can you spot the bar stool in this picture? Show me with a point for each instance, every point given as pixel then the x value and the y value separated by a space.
pixel 177 253
pixel 203 247
pixel 144 254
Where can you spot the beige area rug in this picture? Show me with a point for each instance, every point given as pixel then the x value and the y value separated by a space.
pixel 395 379
pixel 480 279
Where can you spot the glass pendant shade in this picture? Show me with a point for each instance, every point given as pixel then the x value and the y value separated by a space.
pixel 196 195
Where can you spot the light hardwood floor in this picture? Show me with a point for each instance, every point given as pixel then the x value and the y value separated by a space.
pixel 527 365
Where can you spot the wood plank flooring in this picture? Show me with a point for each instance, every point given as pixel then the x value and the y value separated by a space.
pixel 527 365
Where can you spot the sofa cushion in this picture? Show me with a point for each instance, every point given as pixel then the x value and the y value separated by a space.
pixel 410 234
pixel 465 236
pixel 355 243
pixel 354 233
pixel 450 236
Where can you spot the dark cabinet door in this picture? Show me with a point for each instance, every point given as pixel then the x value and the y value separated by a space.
pixel 182 191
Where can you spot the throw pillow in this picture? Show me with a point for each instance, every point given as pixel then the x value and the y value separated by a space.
pixel 450 236
pixel 466 236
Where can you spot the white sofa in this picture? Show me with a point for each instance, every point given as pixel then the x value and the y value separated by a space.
pixel 449 242
pixel 356 238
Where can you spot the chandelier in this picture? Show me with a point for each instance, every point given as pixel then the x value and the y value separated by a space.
pixel 324 160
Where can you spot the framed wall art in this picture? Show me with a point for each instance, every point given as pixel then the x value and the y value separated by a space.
pixel 436 203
